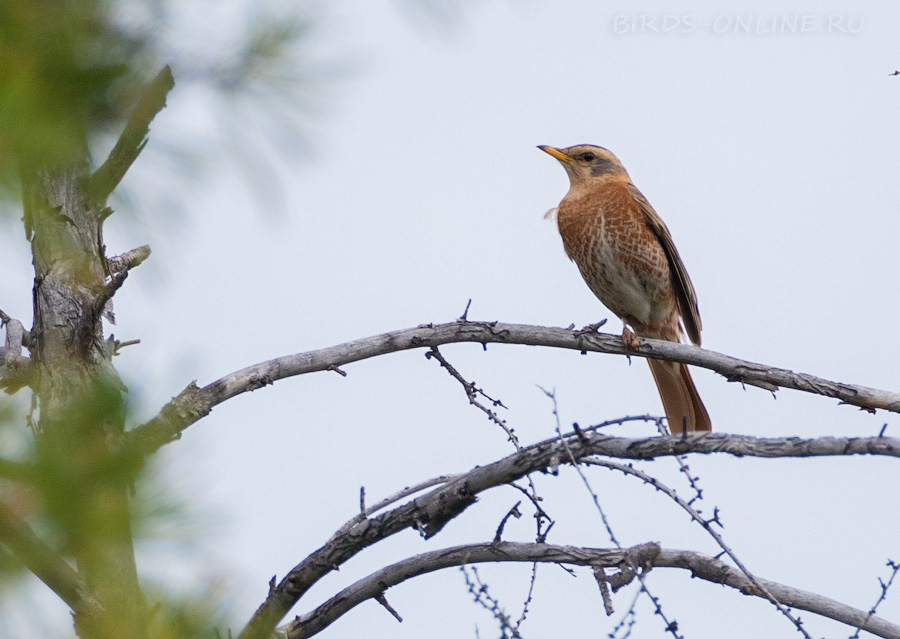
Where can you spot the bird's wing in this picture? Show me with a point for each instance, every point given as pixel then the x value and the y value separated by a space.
pixel 684 290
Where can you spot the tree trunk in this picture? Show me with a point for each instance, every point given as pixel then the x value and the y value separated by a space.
pixel 79 394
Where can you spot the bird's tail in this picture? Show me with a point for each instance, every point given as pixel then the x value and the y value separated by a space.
pixel 679 397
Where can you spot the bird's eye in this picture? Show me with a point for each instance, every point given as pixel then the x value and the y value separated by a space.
pixel 588 157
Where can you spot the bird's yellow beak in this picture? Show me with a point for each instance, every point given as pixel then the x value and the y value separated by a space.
pixel 559 155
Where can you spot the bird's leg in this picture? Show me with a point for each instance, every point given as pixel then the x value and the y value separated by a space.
pixel 628 337
pixel 629 340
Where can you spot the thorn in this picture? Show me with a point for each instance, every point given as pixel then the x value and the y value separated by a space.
pixel 883 428
pixel 602 581
pixel 465 316
pixel 381 599
pixel 332 367
pixel 513 512
pixel 590 328
pixel 580 434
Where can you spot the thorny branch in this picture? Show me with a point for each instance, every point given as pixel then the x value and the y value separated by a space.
pixel 482 596
pixel 193 403
pixel 540 516
pixel 701 566
pixel 895 568
pixel 472 393
pixel 670 626
pixel 706 524
pixel 682 466
pixel 393 499
pixel 528 597
pixel 430 512
pixel 628 620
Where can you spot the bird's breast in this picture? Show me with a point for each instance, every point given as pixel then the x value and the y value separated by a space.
pixel 604 232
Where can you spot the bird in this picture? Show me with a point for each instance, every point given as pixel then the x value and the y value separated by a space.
pixel 627 258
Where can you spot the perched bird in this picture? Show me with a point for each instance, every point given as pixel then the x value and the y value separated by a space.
pixel 626 255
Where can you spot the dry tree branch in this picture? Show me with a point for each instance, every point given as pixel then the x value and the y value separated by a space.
pixel 885 586
pixel 528 598
pixel 482 596
pixel 670 626
pixel 127 260
pixel 693 480
pixel 392 499
pixel 472 392
pixel 628 620
pixel 648 555
pixel 430 512
pixel 16 370
pixel 706 524
pixel 34 553
pixel 745 446
pixel 194 403
pixel 133 138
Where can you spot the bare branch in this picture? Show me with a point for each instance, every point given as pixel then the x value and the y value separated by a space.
pixel 603 583
pixel 128 260
pixel 482 596
pixel 118 268
pixel 430 512
pixel 19 538
pixel 15 368
pixel 706 524
pixel 744 446
pixel 528 597
pixel 168 425
pixel 626 623
pixel 387 501
pixel 472 393
pixel 701 566
pixel 16 372
pixel 16 335
pixel 885 586
pixel 380 598
pixel 133 138
pixel 670 626
pixel 513 512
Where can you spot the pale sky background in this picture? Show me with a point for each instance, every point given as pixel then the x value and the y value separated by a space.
pixel 772 157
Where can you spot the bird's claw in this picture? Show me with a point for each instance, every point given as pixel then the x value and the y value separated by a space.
pixel 629 339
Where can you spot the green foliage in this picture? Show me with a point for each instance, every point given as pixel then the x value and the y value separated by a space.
pixel 71 503
pixel 65 70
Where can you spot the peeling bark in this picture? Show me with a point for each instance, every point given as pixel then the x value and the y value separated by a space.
pixel 78 391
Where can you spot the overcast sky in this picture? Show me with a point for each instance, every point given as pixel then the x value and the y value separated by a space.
pixel 765 136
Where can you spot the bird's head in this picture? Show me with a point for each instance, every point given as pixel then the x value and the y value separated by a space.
pixel 585 161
